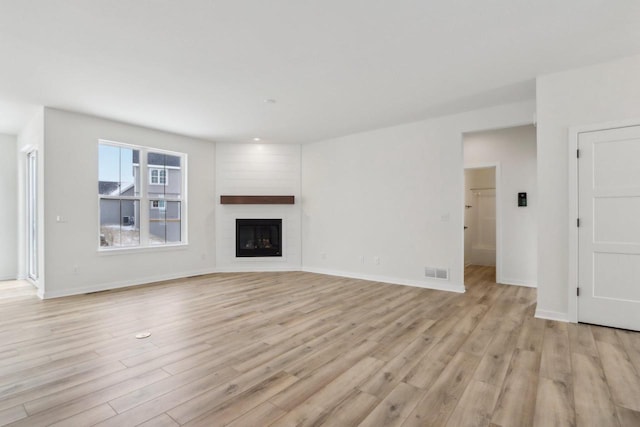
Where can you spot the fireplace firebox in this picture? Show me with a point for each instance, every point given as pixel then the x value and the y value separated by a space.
pixel 258 237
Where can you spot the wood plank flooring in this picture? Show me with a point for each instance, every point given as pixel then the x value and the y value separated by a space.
pixel 301 349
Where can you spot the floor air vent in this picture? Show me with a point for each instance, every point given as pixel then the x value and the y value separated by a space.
pixel 436 273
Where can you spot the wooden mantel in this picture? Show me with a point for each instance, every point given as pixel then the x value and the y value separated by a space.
pixel 257 200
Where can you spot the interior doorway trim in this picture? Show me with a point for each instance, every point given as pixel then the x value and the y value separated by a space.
pixel 498 176
pixel 574 135
pixel 32 209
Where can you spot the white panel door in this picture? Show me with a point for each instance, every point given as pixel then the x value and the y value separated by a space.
pixel 609 233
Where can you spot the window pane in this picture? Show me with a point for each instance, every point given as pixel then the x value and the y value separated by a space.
pixel 165 225
pixel 117 171
pixel 130 230
pixel 165 175
pixel 118 223
pixel 109 222
pixel 156 163
pixel 108 169
pixel 129 180
pixel 174 222
pixel 173 177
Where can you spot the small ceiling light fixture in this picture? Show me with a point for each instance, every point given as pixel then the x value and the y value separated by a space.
pixel 256 139
pixel 269 101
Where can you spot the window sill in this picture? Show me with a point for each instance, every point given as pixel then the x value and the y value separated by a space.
pixel 142 249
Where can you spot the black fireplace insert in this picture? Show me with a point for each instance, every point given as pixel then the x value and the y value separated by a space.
pixel 258 237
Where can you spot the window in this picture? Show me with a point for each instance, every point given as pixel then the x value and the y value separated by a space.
pixel 158 176
pixel 123 195
pixel 158 204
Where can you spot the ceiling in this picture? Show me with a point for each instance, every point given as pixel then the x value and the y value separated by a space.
pixel 204 68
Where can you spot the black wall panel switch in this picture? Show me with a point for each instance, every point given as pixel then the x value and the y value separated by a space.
pixel 522 199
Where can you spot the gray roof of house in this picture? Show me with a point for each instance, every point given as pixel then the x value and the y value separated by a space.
pixel 107 187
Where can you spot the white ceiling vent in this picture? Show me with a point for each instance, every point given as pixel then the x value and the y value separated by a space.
pixel 436 273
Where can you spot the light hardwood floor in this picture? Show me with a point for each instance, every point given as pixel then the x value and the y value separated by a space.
pixel 301 349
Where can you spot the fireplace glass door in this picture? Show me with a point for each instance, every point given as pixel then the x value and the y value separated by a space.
pixel 258 237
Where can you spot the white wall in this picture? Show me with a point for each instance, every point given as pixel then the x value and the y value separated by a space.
pixel 74 264
pixel 592 95
pixel 257 169
pixel 31 138
pixel 397 194
pixel 515 150
pixel 8 208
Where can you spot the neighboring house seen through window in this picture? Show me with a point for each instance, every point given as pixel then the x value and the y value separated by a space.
pixel 157 176
pixel 158 204
pixel 135 212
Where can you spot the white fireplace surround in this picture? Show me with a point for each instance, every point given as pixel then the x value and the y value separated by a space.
pixel 258 169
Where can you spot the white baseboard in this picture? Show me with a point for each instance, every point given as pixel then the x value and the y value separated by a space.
pixel 255 269
pixel 9 277
pixel 445 286
pixel 517 282
pixel 122 284
pixel 552 315
pixel 440 286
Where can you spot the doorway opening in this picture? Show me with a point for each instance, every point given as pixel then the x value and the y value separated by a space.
pixel 480 221
pixel 500 219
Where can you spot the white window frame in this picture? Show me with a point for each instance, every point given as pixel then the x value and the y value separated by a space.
pixel 159 170
pixel 145 200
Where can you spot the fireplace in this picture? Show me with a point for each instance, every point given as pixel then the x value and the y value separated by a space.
pixel 258 237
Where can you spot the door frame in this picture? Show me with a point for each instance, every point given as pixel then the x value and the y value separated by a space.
pixel 498 175
pixel 574 136
pixel 31 208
